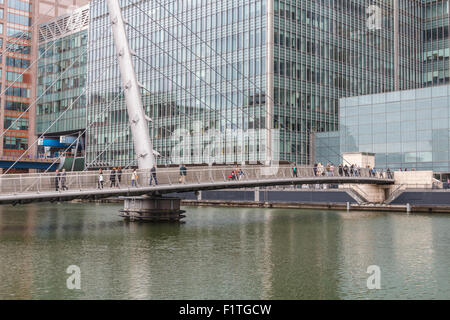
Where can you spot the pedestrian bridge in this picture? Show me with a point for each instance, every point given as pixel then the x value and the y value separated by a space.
pixel 26 188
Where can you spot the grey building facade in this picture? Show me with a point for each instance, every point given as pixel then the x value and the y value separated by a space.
pixel 405 129
pixel 234 80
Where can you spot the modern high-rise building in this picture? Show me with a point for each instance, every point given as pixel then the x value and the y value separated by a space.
pixel 436 42
pixel 239 80
pixel 19 22
pixel 404 129
pixel 16 85
pixel 61 83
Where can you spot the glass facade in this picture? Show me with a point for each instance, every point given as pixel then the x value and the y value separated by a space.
pixel 436 45
pixel 405 129
pixel 16 50
pixel 203 64
pixel 325 50
pixel 57 55
pixel 220 75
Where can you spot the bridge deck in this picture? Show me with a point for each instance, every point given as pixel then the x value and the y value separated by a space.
pixel 84 185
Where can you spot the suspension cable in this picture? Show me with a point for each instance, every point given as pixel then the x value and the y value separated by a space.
pixel 203 60
pixel 45 91
pixel 222 94
pixel 57 119
pixel 7 49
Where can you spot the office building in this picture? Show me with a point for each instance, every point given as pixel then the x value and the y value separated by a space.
pixel 235 81
pixel 61 83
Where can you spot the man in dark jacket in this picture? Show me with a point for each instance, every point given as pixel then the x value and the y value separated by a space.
pixel 153 175
pixel 57 179
pixel 112 178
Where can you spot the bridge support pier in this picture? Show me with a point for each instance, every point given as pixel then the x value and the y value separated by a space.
pixel 156 209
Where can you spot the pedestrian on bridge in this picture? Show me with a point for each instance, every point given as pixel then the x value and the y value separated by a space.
pixel 134 178
pixel 112 178
pixel 294 171
pixel 57 180
pixel 389 173
pixel 183 173
pixel 153 175
pixel 100 179
pixel 63 180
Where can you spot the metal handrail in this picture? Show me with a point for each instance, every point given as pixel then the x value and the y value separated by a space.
pixel 88 180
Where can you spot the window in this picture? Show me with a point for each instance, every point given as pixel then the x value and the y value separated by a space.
pixel 20 5
pixel 19 19
pixel 17 123
pixel 15 143
pixel 18 63
pixel 19 48
pixel 14 76
pixel 16 33
pixel 17 106
pixel 18 92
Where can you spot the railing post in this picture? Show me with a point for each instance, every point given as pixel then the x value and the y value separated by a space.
pixel 168 178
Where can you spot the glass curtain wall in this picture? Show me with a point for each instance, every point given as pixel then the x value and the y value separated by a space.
pixel 202 64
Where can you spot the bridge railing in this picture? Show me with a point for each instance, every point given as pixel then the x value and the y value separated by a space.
pixel 89 180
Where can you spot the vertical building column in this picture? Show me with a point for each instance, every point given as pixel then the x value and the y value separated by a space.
pixel 396 46
pixel 269 80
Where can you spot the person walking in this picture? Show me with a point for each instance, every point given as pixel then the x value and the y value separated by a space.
pixel 183 173
pixel 389 173
pixel 119 176
pixel 241 173
pixel 134 178
pixel 112 178
pixel 100 179
pixel 57 179
pixel 294 171
pixel 153 175
pixel 63 180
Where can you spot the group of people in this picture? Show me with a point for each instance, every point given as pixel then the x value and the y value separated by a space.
pixel 154 177
pixel 344 170
pixel 115 178
pixel 236 174
pixel 60 180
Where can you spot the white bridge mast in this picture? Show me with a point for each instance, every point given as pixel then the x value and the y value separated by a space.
pixel 139 127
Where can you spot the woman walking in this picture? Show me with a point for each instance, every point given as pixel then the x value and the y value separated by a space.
pixel 134 178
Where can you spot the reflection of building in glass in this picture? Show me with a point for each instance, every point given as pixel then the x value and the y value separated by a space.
pixel 61 80
pixel 16 44
pixel 436 49
pixel 405 129
pixel 19 24
pixel 214 69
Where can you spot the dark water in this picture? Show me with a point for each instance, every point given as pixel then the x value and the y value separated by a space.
pixel 221 253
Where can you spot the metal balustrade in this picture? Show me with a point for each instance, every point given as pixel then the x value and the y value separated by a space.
pixel 89 180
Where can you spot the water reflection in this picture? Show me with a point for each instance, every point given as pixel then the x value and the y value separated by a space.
pixel 221 253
